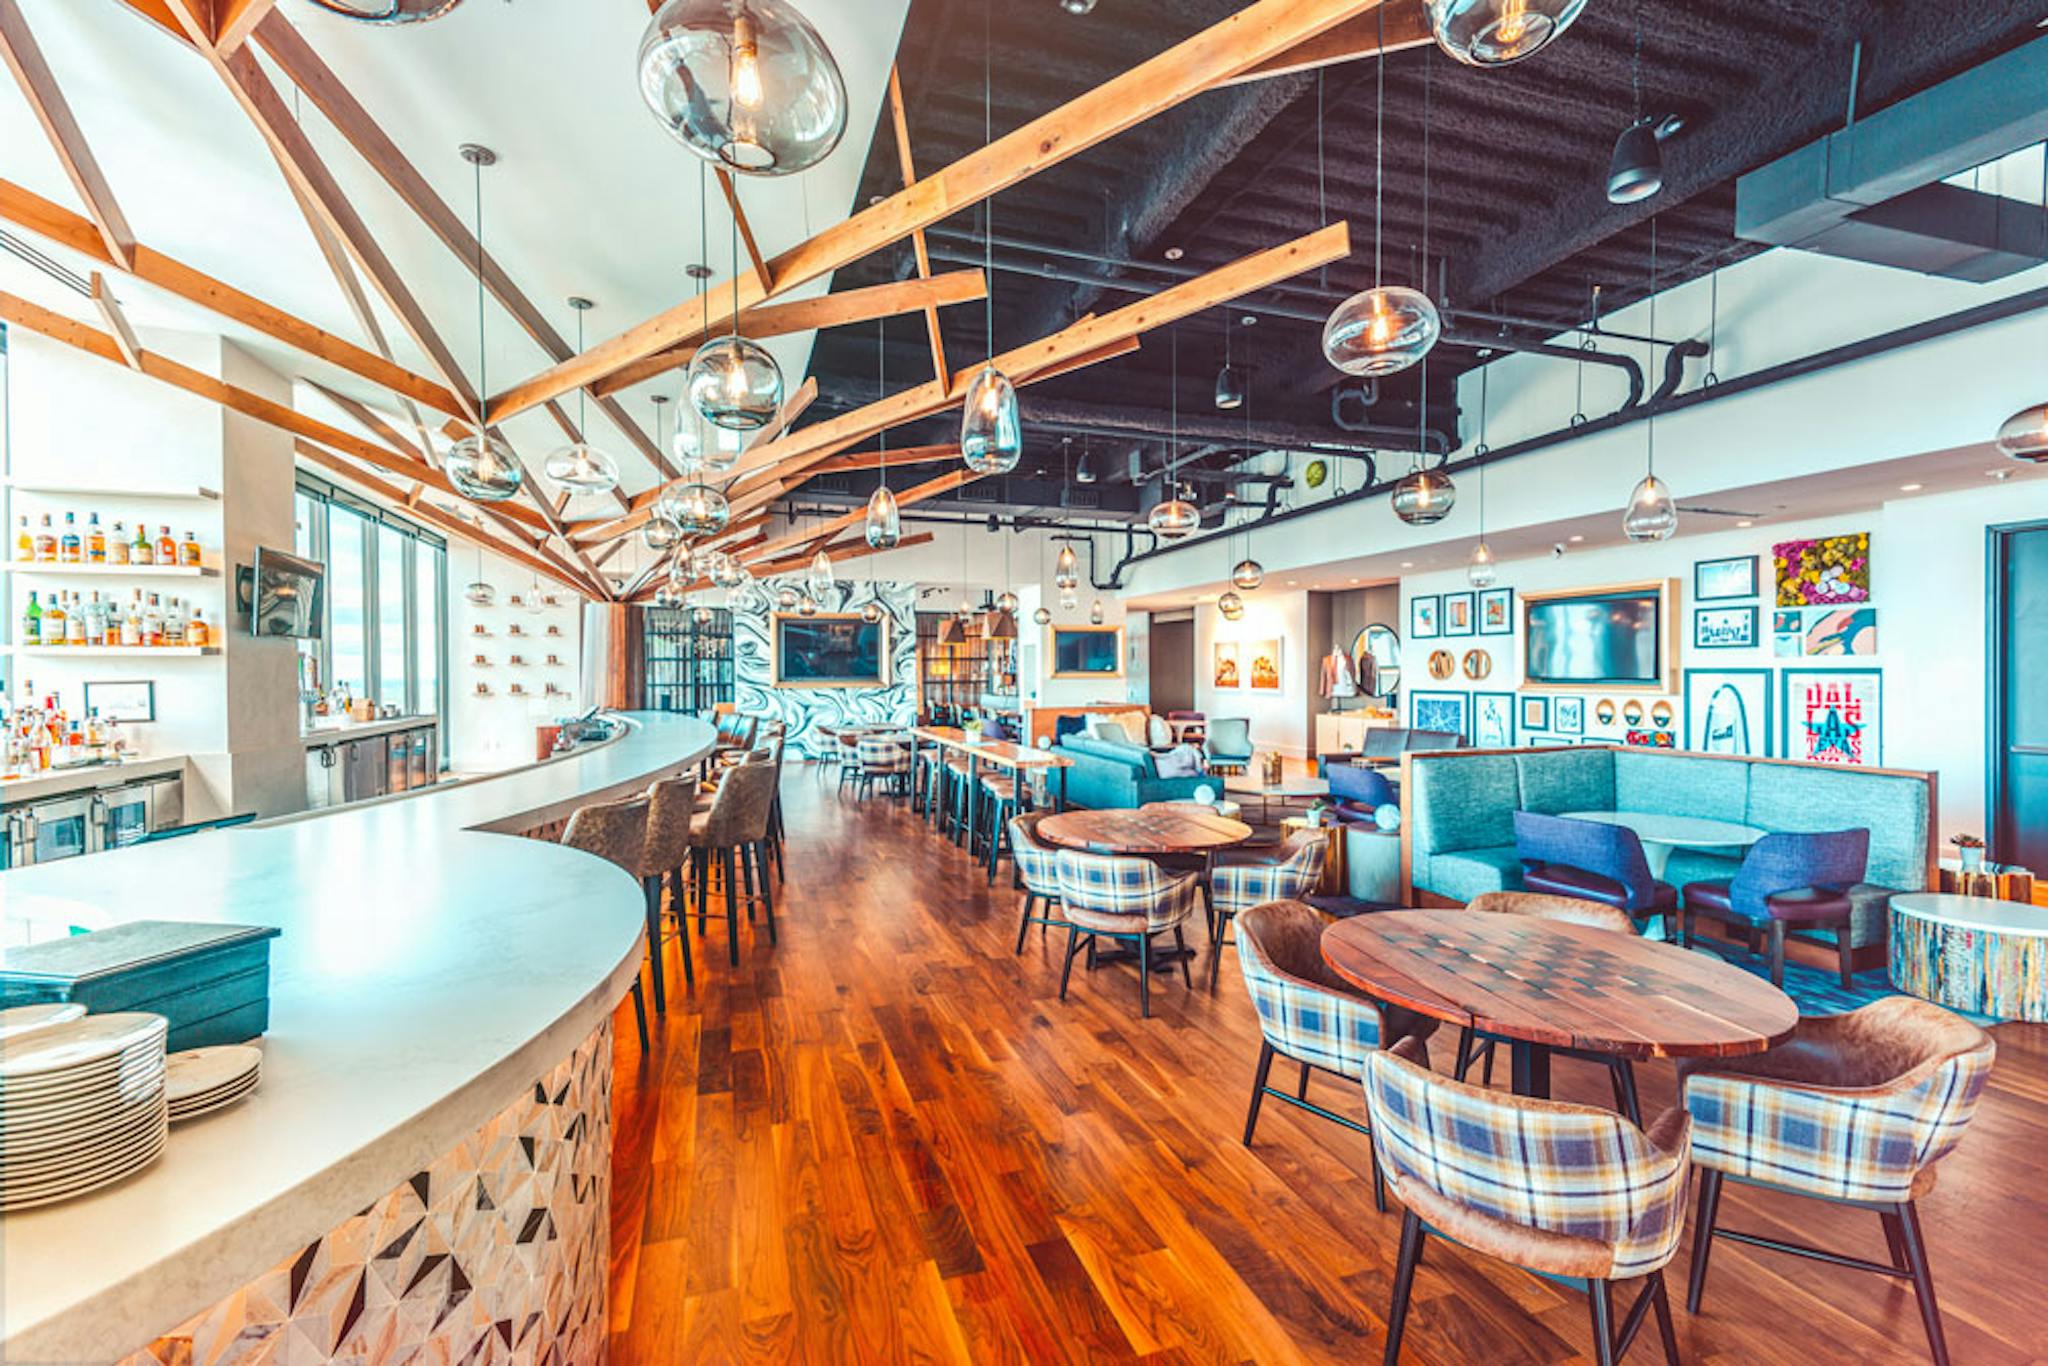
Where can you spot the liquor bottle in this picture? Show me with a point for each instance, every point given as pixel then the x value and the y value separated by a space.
pixel 131 622
pixel 95 541
pixel 24 543
pixel 74 622
pixel 53 622
pixel 196 633
pixel 70 550
pixel 117 545
pixel 32 621
pixel 140 551
pixel 188 550
pixel 46 542
pixel 152 622
pixel 166 547
pixel 174 622
pixel 96 621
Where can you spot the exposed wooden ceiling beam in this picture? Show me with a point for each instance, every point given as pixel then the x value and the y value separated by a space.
pixel 34 318
pixel 876 460
pixel 58 224
pixel 848 550
pixel 907 164
pixel 18 49
pixel 311 74
pixel 1406 26
pixel 805 315
pixel 832 526
pixel 235 20
pixel 745 231
pixel 117 322
pixel 1257 32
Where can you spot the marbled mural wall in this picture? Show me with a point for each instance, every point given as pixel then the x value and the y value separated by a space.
pixel 804 710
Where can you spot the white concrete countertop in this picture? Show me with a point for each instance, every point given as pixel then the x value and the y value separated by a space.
pixel 62 783
pixel 426 971
pixel 330 731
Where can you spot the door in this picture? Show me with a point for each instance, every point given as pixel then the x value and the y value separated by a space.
pixel 2018 777
pixel 1173 666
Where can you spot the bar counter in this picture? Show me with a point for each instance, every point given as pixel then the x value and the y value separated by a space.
pixel 441 999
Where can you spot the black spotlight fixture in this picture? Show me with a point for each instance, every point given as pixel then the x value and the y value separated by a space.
pixel 1637 169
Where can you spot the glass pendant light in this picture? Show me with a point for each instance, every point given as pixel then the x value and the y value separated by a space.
pixel 806 606
pixel 1496 32
pixel 1652 513
pixel 701 616
pixel 821 581
pixel 1248 574
pixel 1095 612
pixel 579 466
pixel 1386 329
pixel 1006 601
pixel 1066 570
pixel 1424 496
pixel 660 534
pixel 479 593
pixel 1069 600
pixel 785 597
pixel 388 11
pixel 1175 517
pixel 734 383
pixel 991 433
pixel 883 526
pixel 481 466
pixel 2025 435
pixel 1042 615
pixel 870 612
pixel 746 84
pixel 701 510
pixel 1481 571
pixel 1229 380
pixel 1230 605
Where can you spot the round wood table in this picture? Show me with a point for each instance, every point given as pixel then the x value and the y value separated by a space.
pixel 1542 985
pixel 1663 835
pixel 1161 828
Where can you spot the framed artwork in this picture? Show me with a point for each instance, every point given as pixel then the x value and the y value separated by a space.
pixel 1823 572
pixel 1085 651
pixel 1724 628
pixel 1423 622
pixel 1788 632
pixel 1450 712
pixel 1497 612
pixel 1458 614
pixel 1716 580
pixel 1493 720
pixel 1568 715
pixel 1728 711
pixel 1841 631
pixel 1832 716
pixel 1262 665
pixel 1651 739
pixel 122 701
pixel 1535 714
pixel 1225 673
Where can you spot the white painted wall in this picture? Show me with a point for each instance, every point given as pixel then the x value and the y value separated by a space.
pixel 1278 719
pixel 492 732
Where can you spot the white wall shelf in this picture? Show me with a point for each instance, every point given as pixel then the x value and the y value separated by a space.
pixel 116 651
pixel 192 492
pixel 58 569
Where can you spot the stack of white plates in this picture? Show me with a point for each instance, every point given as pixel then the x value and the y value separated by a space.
pixel 202 1080
pixel 81 1104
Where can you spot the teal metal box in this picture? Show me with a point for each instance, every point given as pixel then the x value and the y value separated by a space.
pixel 212 982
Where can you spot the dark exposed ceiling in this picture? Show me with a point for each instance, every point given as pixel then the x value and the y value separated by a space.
pixel 1510 222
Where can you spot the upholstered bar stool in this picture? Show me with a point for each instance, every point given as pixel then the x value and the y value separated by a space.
pixel 617 833
pixel 999 799
pixel 671 805
pixel 735 831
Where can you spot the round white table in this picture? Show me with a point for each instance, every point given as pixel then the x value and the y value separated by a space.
pixel 1662 834
pixel 1971 953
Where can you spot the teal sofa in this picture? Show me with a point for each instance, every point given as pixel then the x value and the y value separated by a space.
pixel 1108 774
pixel 1458 811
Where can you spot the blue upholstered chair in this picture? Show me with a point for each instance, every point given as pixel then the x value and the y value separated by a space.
pixel 1128 900
pixel 1570 1192
pixel 1359 791
pixel 1309 1015
pixel 1801 880
pixel 1038 869
pixel 1592 861
pixel 1229 745
pixel 1854 1109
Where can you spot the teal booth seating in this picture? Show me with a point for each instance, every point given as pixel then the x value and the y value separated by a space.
pixel 1108 774
pixel 1458 810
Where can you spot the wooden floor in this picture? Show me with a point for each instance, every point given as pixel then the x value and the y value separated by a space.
pixel 887 1140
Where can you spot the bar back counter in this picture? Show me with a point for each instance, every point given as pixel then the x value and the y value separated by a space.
pixel 428 1157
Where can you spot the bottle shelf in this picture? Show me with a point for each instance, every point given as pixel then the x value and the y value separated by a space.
pixel 116 651
pixel 58 569
pixel 187 491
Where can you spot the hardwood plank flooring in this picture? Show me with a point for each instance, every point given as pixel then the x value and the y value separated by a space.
pixel 887 1140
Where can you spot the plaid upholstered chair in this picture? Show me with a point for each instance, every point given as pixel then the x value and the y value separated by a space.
pixel 1569 910
pixel 1854 1109
pixel 1128 900
pixel 883 759
pixel 1244 878
pixel 1038 869
pixel 1573 1193
pixel 1308 1014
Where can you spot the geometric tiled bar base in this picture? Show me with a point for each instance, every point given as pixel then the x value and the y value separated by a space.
pixel 498 1253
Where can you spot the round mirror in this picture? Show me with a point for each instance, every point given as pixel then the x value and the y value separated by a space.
pixel 1382 646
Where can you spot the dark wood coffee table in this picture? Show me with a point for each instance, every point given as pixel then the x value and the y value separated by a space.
pixel 1540 985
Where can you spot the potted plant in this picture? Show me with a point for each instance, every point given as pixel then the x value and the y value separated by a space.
pixel 1971 850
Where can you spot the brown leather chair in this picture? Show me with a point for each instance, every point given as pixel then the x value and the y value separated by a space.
pixel 734 831
pixel 617 833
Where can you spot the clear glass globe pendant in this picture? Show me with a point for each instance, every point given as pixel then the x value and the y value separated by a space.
pixel 1249 574
pixel 2025 435
pixel 1424 497
pixel 735 383
pixel 483 469
pixel 991 435
pixel 1496 32
pixel 1652 512
pixel 871 612
pixel 660 533
pixel 582 468
pixel 388 11
pixel 1482 571
pixel 697 510
pixel 1042 615
pixel 702 446
pixel 1175 518
pixel 821 582
pixel 884 526
pixel 1066 570
pixel 1230 605
pixel 746 84
pixel 1381 331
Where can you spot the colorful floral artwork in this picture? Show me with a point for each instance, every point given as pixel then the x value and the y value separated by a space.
pixel 1822 572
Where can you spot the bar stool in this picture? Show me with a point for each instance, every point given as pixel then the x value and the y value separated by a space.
pixel 617 833
pixel 735 829
pixel 999 795
pixel 958 771
pixel 671 806
pixel 930 758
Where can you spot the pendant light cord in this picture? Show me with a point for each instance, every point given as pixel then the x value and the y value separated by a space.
pixel 1650 420
pixel 988 206
pixel 704 243
pixel 1322 190
pixel 882 388
pixel 1480 454
pixel 1379 149
pixel 1428 69
pixel 483 383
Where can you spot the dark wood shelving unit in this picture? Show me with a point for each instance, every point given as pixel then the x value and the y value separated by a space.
pixel 689 668
pixel 973 674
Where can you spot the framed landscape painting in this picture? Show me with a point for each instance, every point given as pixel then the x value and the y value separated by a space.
pixel 1450 712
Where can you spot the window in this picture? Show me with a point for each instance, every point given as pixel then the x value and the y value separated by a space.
pixel 348 588
pixel 426 635
pixel 392 651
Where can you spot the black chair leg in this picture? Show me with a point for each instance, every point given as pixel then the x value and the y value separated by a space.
pixel 1180 946
pixel 1144 976
pixel 1074 942
pixel 732 904
pixel 1379 1180
pixel 650 888
pixel 1661 1306
pixel 1251 1116
pixel 1404 1281
pixel 1466 1056
pixel 767 892
pixel 1624 1075
pixel 1895 1240
pixel 1601 1295
pixel 1301 1090
pixel 1778 954
pixel 1923 1280
pixel 1024 920
pixel 1845 958
pixel 640 1013
pixel 1703 1237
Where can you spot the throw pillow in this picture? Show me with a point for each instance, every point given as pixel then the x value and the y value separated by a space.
pixel 1112 730
pixel 1182 761
pixel 1158 734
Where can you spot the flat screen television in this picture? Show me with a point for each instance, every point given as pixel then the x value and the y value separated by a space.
pixel 831 651
pixel 1613 637
pixel 284 595
pixel 1086 651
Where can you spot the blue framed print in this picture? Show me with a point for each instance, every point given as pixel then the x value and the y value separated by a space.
pixel 1458 615
pixel 1535 712
pixel 1493 720
pixel 1423 622
pixel 1497 612
pixel 1724 628
pixel 1832 716
pixel 1450 712
pixel 1568 715
pixel 1716 580
pixel 1730 711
